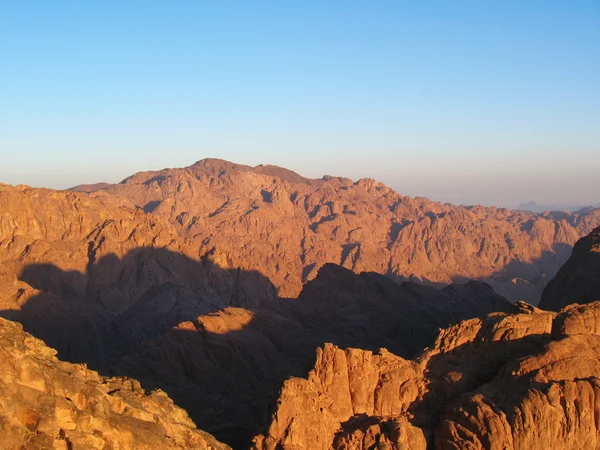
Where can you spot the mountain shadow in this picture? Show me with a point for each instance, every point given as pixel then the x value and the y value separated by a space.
pixel 526 280
pixel 98 316
pixel 578 280
pixel 219 341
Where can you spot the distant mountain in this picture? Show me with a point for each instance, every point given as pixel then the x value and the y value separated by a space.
pixel 534 207
pixel 285 227
pixel 88 188
pixel 215 283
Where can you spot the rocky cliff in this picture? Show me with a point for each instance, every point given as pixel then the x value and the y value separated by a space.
pixel 579 279
pixel 511 381
pixel 227 368
pixel 176 278
pixel 49 404
pixel 109 285
pixel 286 227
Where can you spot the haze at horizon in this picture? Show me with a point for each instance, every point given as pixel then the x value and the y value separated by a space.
pixel 494 103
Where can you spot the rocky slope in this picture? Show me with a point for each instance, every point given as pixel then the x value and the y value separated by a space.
pixel 49 404
pixel 71 265
pixel 227 368
pixel 95 277
pixel 284 226
pixel 579 279
pixel 511 381
pixel 175 278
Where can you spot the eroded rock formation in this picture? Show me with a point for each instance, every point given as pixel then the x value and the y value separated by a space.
pixel 49 404
pixel 227 368
pixel 95 278
pixel 512 381
pixel 176 277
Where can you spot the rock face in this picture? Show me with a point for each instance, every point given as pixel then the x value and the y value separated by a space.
pixel 512 381
pixel 109 274
pixel 579 279
pixel 185 279
pixel 285 227
pixel 121 290
pixel 227 368
pixel 49 404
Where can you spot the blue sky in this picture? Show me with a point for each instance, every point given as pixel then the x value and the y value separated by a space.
pixel 493 102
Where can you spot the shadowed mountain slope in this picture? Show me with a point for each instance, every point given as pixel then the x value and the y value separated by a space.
pixel 227 368
pixel 119 289
pixel 579 279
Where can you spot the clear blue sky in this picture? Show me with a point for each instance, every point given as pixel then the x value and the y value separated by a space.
pixel 493 102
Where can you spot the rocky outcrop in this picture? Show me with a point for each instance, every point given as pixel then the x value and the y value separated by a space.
pixel 284 226
pixel 579 279
pixel 227 368
pixel 176 278
pixel 49 404
pixel 512 381
pixel 123 291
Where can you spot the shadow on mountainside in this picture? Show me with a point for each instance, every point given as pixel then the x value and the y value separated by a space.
pixel 98 316
pixel 196 331
pixel 526 280
pixel 578 280
pixel 517 280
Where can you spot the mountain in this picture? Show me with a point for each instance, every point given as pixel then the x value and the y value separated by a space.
pixel 578 280
pixel 227 368
pixel 216 283
pixel 88 188
pixel 510 381
pixel 106 284
pixel 284 226
pixel 534 207
pixel 49 404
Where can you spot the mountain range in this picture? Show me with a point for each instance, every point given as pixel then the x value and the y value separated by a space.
pixel 286 312
pixel 285 226
pixel 540 208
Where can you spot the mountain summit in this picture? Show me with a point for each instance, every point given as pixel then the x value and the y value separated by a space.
pixel 285 226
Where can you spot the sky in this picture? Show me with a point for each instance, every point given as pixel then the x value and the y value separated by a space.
pixel 493 102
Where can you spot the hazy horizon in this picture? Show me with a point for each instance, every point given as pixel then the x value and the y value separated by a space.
pixel 558 205
pixel 494 103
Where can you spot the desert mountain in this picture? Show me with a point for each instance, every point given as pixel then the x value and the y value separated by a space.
pixel 49 404
pixel 579 279
pixel 89 187
pixel 71 265
pixel 285 227
pixel 217 282
pixel 109 285
pixel 227 368
pixel 510 381
pixel 540 208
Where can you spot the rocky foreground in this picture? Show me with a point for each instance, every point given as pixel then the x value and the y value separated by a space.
pixel 49 404
pixel 510 381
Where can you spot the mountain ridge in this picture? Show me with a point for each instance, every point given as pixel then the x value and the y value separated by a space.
pixel 173 279
pixel 314 221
